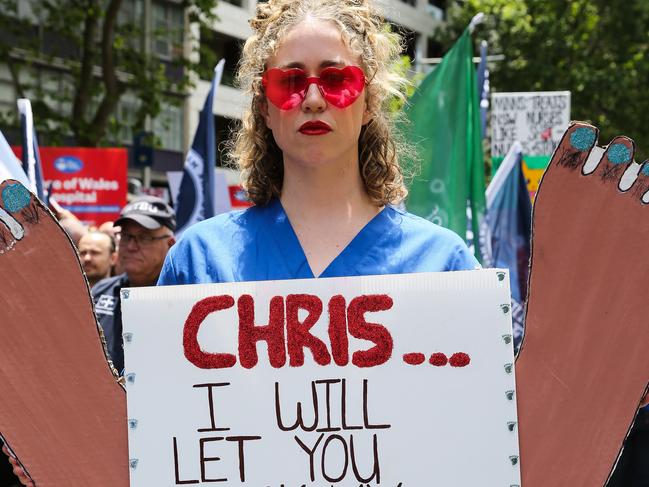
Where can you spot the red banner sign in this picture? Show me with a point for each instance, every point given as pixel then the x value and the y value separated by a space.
pixel 90 182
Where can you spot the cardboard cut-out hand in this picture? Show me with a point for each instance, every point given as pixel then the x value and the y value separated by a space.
pixel 581 372
pixel 62 412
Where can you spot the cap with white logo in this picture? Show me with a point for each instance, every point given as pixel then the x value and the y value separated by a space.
pixel 149 211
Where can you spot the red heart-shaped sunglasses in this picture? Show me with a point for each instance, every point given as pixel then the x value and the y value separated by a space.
pixel 286 89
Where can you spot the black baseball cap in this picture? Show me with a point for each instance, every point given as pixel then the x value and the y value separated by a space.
pixel 149 211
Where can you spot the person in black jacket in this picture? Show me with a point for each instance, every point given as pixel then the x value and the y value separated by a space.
pixel 146 235
pixel 632 469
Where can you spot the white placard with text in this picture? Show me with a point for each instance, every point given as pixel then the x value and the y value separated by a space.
pixel 400 380
pixel 537 120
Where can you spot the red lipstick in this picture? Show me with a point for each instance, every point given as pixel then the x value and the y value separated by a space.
pixel 315 127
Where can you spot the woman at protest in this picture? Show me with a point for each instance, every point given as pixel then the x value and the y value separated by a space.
pixel 319 158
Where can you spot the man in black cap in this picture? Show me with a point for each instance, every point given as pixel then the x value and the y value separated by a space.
pixel 147 225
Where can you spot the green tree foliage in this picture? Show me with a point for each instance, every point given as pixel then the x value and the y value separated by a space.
pixel 404 68
pixel 98 51
pixel 597 49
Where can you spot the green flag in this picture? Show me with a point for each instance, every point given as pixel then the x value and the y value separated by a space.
pixel 444 115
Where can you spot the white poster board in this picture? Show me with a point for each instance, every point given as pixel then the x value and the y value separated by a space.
pixel 382 417
pixel 536 119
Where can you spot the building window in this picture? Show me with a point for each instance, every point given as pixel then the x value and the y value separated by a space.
pixel 168 29
pixel 436 9
pixel 215 46
pixel 125 117
pixel 130 13
pixel 56 44
pixel 129 22
pixel 434 48
pixel 438 3
pixel 168 127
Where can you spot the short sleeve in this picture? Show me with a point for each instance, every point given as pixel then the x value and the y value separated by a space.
pixel 463 260
pixel 168 273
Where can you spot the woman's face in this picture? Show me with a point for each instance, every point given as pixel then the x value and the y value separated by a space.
pixel 313 45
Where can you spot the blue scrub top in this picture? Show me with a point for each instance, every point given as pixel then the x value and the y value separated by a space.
pixel 259 244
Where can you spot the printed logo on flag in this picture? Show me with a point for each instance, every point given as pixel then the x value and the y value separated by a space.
pixel 190 188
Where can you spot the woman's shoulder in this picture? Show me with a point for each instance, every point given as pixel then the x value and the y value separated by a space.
pixel 429 246
pixel 212 250
pixel 227 225
pixel 413 225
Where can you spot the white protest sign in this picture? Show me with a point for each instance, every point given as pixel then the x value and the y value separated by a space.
pixel 400 380
pixel 536 119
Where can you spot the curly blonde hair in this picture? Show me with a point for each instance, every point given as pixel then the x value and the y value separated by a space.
pixel 365 32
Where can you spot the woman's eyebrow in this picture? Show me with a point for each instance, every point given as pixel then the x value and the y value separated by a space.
pixel 292 65
pixel 324 64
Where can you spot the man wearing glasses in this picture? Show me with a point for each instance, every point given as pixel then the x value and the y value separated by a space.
pixel 147 225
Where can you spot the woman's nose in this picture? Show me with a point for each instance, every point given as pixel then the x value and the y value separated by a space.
pixel 313 99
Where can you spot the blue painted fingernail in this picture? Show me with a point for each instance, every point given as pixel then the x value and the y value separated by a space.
pixel 582 138
pixel 645 169
pixel 619 154
pixel 15 197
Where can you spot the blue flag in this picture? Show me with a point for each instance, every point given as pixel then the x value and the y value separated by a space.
pixel 509 214
pixel 196 194
pixel 31 154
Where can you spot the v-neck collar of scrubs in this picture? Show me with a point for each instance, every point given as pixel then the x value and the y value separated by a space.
pixel 344 264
